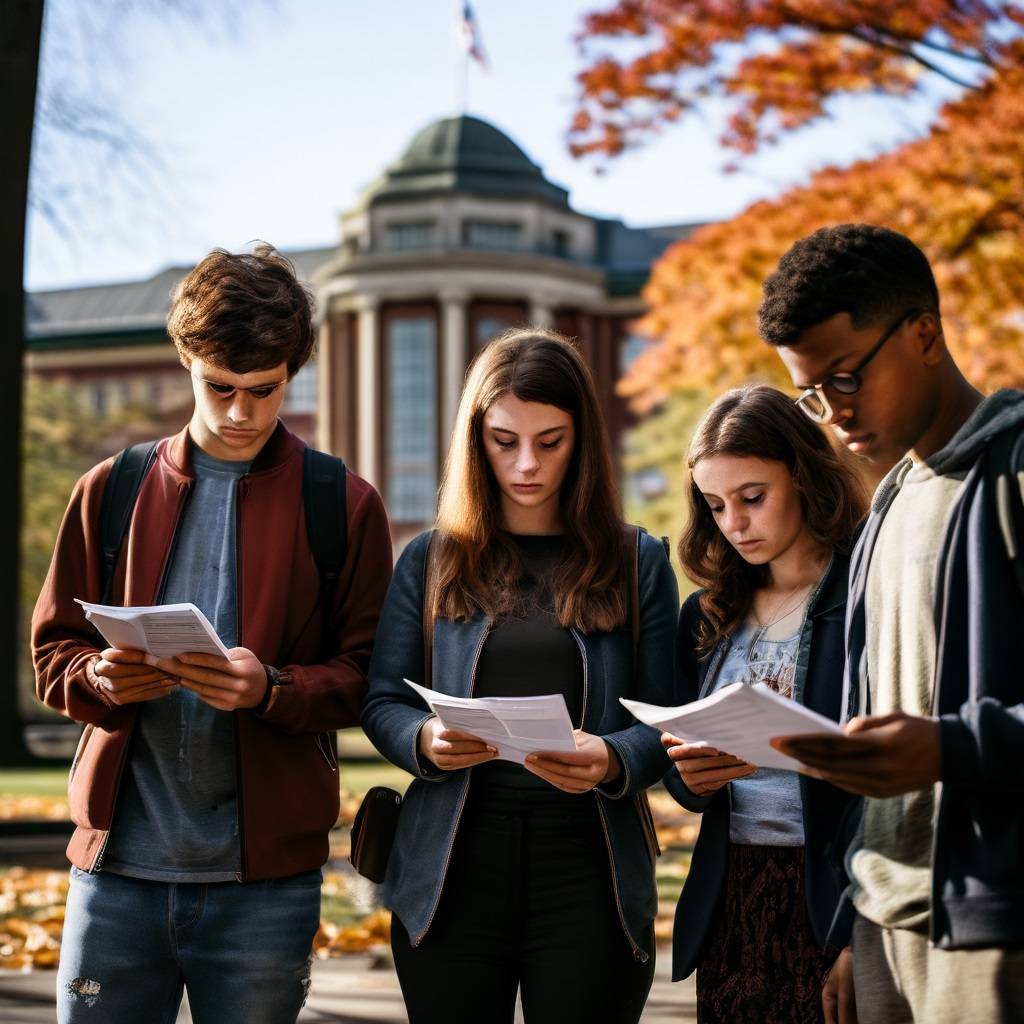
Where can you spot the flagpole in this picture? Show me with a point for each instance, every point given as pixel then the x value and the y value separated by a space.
pixel 461 60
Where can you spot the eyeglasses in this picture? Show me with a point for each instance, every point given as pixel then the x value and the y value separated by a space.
pixel 222 390
pixel 813 400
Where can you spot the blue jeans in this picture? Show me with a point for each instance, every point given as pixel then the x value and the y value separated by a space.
pixel 241 949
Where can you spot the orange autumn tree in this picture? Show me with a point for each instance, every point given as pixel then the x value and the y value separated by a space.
pixel 959 191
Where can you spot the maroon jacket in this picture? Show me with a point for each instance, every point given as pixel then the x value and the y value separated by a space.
pixel 288 793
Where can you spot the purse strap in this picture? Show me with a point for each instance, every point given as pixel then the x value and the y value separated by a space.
pixel 429 580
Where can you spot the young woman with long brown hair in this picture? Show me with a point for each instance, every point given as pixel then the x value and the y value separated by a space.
pixel 504 877
pixel 773 509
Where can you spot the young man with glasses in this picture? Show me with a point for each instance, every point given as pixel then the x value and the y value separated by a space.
pixel 936 605
pixel 204 788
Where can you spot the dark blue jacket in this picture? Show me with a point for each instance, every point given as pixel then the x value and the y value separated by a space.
pixel 828 813
pixel 432 809
pixel 978 850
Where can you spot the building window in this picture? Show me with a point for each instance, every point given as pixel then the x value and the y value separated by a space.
pixel 629 349
pixel 410 235
pixel 301 393
pixel 412 418
pixel 485 234
pixel 647 485
pixel 487 328
pixel 560 243
pixel 98 399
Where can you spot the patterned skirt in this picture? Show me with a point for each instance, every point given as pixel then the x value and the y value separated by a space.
pixel 761 963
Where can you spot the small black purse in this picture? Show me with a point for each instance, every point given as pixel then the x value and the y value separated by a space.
pixel 373 832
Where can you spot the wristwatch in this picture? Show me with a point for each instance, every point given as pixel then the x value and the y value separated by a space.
pixel 274 680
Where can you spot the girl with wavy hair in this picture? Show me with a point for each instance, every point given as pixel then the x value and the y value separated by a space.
pixel 773 509
pixel 535 877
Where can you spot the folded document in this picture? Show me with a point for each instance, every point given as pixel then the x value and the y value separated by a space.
pixel 514 726
pixel 165 630
pixel 738 720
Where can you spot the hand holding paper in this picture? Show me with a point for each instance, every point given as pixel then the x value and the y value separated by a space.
pixel 161 630
pixel 127 678
pixel 703 769
pixel 739 719
pixel 512 726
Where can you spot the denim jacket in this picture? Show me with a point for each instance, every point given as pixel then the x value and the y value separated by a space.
pixel 432 809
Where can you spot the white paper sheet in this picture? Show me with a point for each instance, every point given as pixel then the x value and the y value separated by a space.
pixel 738 720
pixel 165 630
pixel 514 726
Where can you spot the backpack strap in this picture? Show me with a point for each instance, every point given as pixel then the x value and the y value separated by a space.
pixel 119 496
pixel 1005 471
pixel 633 560
pixel 633 535
pixel 325 505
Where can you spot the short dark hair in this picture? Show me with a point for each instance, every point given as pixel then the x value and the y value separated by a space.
pixel 243 312
pixel 870 272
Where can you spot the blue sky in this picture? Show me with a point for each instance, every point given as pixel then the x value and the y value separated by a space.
pixel 269 120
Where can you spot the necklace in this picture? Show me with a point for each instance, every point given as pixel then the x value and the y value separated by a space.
pixel 778 615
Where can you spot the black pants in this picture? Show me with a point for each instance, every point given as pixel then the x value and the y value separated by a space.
pixel 528 904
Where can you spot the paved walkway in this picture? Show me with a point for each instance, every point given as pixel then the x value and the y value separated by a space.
pixel 346 990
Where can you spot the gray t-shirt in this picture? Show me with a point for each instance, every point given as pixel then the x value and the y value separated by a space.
pixel 177 812
pixel 766 807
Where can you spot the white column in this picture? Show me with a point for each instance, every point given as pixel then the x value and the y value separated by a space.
pixel 369 399
pixel 540 311
pixel 326 412
pixel 453 360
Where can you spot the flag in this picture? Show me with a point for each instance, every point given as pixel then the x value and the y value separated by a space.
pixel 467 30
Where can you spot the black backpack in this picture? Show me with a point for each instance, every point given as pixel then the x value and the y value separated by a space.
pixel 323 498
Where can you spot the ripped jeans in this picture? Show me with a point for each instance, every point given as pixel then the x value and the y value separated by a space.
pixel 242 950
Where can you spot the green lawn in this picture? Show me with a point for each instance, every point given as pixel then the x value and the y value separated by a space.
pixel 33 781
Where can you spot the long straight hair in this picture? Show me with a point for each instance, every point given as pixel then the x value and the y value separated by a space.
pixel 761 422
pixel 476 567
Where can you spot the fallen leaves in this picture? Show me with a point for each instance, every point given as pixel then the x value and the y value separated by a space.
pixel 32 807
pixel 32 901
pixel 371 932
pixel 31 917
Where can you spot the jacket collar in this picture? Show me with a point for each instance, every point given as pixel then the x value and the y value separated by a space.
pixel 831 592
pixel 281 446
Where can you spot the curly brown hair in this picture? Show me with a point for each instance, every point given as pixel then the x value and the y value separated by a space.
pixel 477 568
pixel 243 312
pixel 761 422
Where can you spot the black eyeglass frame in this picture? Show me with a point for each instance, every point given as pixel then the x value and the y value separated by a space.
pixel 229 389
pixel 849 382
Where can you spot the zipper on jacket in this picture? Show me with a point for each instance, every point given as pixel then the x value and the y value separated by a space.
pixel 174 539
pixel 638 954
pixel 324 749
pixel 239 799
pixel 462 801
pixel 98 861
pixel 586 684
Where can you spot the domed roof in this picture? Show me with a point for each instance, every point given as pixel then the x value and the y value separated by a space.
pixel 464 154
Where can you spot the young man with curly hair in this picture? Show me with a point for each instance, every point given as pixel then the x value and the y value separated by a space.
pixel 934 688
pixel 204 787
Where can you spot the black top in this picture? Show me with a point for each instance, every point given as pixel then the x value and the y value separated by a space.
pixel 529 654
